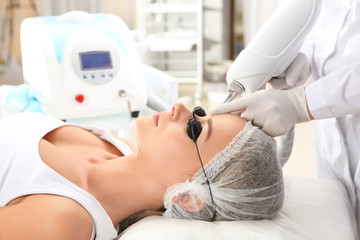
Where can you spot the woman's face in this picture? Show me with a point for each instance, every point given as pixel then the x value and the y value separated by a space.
pixel 163 142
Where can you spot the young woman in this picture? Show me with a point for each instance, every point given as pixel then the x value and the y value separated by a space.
pixel 66 181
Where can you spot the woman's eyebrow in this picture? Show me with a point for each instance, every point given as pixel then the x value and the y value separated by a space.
pixel 209 123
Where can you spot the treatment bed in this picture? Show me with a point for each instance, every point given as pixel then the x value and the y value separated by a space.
pixel 315 209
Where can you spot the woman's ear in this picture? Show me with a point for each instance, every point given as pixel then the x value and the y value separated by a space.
pixel 189 202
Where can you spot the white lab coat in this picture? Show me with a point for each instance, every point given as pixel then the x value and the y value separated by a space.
pixel 333 49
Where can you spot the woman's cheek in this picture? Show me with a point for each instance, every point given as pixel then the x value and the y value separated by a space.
pixel 174 144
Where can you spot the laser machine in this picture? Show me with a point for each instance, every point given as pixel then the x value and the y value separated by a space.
pixel 84 67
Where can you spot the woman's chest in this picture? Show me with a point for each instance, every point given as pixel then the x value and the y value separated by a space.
pixel 75 153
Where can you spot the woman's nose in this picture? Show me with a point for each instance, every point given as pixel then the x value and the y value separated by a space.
pixel 179 111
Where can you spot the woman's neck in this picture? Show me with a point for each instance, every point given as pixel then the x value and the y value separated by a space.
pixel 125 186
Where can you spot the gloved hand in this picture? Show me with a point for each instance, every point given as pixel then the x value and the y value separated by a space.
pixel 294 76
pixel 274 111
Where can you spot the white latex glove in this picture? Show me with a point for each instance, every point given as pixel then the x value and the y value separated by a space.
pixel 294 76
pixel 274 111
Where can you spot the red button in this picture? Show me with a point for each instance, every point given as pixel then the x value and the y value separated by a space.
pixel 79 98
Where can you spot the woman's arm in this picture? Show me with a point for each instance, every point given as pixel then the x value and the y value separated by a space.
pixel 45 217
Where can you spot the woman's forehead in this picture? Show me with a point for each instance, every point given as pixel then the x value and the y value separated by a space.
pixel 227 123
pixel 224 128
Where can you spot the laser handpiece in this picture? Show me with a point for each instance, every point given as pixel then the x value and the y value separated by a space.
pixel 273 48
pixel 235 90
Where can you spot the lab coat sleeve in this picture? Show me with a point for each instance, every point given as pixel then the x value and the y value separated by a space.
pixel 309 45
pixel 335 95
pixel 311 41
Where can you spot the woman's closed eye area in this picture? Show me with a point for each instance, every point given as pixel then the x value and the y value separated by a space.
pixel 199 111
pixel 194 127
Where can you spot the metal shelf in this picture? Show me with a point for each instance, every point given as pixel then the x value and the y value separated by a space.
pixel 174 31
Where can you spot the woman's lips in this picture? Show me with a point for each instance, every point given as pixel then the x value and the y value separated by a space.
pixel 156 117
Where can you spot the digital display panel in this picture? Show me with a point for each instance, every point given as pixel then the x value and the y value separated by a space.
pixel 95 60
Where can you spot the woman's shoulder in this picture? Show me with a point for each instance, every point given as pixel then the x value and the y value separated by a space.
pixel 26 121
pixel 45 216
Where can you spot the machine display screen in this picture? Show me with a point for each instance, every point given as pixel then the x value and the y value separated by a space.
pixel 95 60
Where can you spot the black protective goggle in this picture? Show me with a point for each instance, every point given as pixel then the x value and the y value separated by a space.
pixel 194 129
pixel 194 126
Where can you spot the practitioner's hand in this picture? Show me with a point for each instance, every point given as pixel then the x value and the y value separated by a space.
pixel 274 111
pixel 294 76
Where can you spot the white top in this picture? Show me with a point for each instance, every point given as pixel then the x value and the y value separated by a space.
pixel 22 172
pixel 333 50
